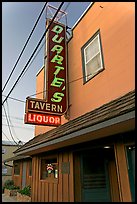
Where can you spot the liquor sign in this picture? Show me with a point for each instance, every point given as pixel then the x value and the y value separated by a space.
pixel 42 119
pixel 56 68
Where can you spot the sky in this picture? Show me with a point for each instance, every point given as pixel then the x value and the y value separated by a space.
pixel 18 19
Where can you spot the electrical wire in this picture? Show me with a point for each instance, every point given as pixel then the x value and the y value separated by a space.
pixel 6 137
pixel 33 59
pixel 10 121
pixel 9 126
pixel 67 83
pixel 25 45
pixel 15 99
pixel 18 127
pixel 46 90
pixel 17 118
pixel 41 47
pixel 33 53
pixel 31 64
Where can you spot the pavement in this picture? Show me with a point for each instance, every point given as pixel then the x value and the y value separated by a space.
pixel 6 198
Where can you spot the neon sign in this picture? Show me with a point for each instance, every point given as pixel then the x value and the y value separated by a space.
pixel 48 111
pixel 41 106
pixel 56 66
pixel 42 119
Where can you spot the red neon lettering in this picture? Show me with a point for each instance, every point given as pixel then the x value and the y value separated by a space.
pixel 42 119
pixel 39 118
pixel 57 120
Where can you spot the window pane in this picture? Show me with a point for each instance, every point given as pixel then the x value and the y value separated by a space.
pixel 49 174
pixel 92 50
pixel 92 57
pixel 4 169
pixel 93 65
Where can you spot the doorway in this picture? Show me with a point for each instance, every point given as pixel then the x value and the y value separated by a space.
pixel 95 186
pixel 95 175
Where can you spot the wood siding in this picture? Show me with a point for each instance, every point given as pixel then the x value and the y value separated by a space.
pixel 113 182
pixel 46 191
pixel 28 177
pixel 18 178
pixel 122 173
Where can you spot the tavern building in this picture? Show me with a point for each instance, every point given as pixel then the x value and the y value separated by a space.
pixel 91 155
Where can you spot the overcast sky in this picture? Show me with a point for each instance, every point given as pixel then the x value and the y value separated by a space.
pixel 18 19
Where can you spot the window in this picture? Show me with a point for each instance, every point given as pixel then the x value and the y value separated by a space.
pixel 17 168
pixel 4 170
pixel 49 169
pixel 3 151
pixel 92 57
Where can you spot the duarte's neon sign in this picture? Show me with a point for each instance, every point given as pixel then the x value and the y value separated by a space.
pixel 48 111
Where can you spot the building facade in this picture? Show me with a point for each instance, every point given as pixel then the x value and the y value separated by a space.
pixel 91 156
pixel 8 147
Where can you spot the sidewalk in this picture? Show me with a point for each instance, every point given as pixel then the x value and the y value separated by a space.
pixel 6 198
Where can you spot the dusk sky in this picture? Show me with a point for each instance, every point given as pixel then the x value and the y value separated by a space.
pixel 18 19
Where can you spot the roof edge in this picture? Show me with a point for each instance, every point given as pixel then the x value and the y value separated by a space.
pixel 83 14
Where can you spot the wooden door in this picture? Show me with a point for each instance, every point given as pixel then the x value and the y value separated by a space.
pixel 94 177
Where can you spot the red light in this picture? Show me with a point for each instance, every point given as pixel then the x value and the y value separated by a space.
pixel 42 119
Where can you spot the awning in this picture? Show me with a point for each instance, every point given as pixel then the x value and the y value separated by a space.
pixel 115 117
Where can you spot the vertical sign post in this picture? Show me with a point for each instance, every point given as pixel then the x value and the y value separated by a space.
pixel 48 111
pixel 56 67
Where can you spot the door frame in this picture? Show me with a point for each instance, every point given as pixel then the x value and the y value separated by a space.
pixel 99 150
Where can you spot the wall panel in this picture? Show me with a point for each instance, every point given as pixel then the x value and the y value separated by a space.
pixel 48 191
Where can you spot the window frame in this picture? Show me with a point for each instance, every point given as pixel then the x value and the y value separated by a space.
pixel 83 48
pixel 52 178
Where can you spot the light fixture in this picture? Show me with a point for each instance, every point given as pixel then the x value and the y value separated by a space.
pixel 107 147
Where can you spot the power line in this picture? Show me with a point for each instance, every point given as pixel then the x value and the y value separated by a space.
pixel 10 120
pixel 6 137
pixel 25 45
pixel 15 99
pixel 40 48
pixel 33 53
pixel 46 90
pixel 13 117
pixel 33 59
pixel 9 125
pixel 17 126
pixel 67 83
pixel 13 122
